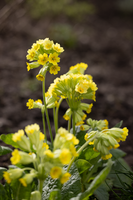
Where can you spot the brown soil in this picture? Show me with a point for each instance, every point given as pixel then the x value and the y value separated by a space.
pixel 103 40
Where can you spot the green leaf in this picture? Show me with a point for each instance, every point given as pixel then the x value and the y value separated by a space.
pixel 95 183
pixel 119 173
pixel 19 191
pixel 82 165
pixel 119 124
pixel 3 193
pixel 7 139
pixel 2 169
pixel 117 153
pixel 4 150
pixel 90 153
pixel 55 195
pixel 102 192
pixel 73 186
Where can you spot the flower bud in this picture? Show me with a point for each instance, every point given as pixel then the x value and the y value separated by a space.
pixel 36 195
pixel 12 174
pixel 27 179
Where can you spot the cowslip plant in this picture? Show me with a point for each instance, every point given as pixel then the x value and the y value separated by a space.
pixel 78 162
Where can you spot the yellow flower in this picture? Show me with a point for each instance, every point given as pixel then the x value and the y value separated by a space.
pixel 42 136
pixel 6 176
pixel 31 128
pixel 47 44
pixel 65 156
pixel 65 177
pixel 43 59
pixel 58 48
pixel 106 157
pixel 31 54
pixel 86 136
pixel 45 145
pixel 23 182
pixel 89 109
pixel 15 157
pixel 28 66
pixel 35 46
pixel 82 128
pixel 40 77
pixel 54 69
pixel 39 101
pixel 55 172
pixel 80 88
pixel 49 153
pixel 17 136
pixel 30 103
pixel 116 146
pixel 73 151
pixel 66 117
pixel 53 58
pixel 124 134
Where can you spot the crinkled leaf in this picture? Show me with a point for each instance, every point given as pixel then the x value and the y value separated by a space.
pixel 82 165
pixel 73 186
pixel 95 183
pixel 4 150
pixel 19 191
pixel 2 169
pixel 55 195
pixel 117 153
pixel 118 173
pixel 49 186
pixel 119 124
pixel 3 193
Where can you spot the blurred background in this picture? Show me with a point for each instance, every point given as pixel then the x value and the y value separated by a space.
pixel 99 33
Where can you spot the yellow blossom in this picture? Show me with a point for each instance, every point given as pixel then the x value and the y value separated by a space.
pixel 23 182
pixel 39 101
pixel 47 44
pixel 53 58
pixel 35 46
pixel 42 136
pixel 49 153
pixel 31 54
pixel 65 156
pixel 54 69
pixel 43 59
pixel 45 145
pixel 106 157
pixel 15 157
pixel 30 103
pixel 40 77
pixel 6 176
pixel 58 48
pixel 31 128
pixel 89 109
pixel 55 172
pixel 65 177
pixel 28 66
pixel 17 136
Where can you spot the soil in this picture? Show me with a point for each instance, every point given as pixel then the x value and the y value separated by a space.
pixel 103 40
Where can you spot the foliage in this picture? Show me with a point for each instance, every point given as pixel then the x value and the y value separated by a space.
pixel 80 163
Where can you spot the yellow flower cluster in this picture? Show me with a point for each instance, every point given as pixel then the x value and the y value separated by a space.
pixel 45 53
pixel 74 88
pixel 37 152
pixel 106 139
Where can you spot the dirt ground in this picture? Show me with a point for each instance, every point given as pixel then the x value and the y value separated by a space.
pixel 103 40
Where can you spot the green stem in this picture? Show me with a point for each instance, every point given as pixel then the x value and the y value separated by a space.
pixel 57 111
pixel 55 124
pixel 40 185
pixel 44 127
pixel 73 122
pixel 79 151
pixel 69 124
pixel 46 112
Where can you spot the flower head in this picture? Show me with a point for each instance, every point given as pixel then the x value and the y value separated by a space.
pixel 55 172
pixel 58 48
pixel 54 69
pixel 30 103
pixel 43 59
pixel 53 58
